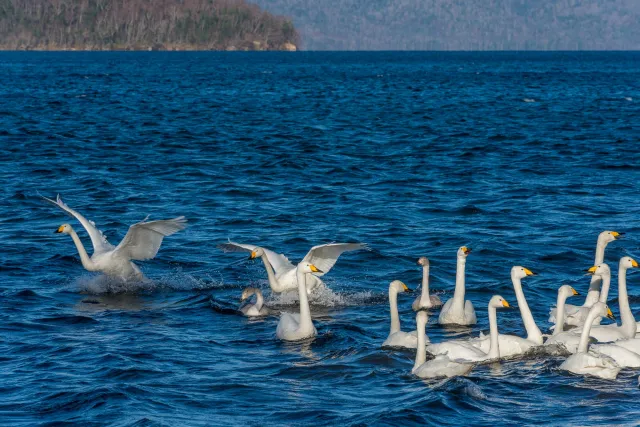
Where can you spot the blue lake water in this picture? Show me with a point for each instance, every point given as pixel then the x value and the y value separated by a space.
pixel 525 157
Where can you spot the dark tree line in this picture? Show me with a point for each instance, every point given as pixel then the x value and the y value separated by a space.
pixel 142 25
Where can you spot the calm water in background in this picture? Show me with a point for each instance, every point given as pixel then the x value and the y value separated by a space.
pixel 524 157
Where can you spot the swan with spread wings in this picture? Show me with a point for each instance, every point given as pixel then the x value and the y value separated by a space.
pixel 282 273
pixel 142 242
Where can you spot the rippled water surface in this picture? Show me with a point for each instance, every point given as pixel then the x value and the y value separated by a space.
pixel 523 157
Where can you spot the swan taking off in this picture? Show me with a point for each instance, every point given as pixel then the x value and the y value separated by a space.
pixel 425 300
pixel 254 310
pixel 280 271
pixel 142 242
pixel 295 327
pixel 457 311
pixel 396 337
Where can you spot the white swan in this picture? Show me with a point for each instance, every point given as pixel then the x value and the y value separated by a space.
pixel 585 362
pixel 295 327
pixel 512 345
pixel 258 309
pixel 396 337
pixel 280 271
pixel 425 300
pixel 575 315
pixel 457 311
pixel 439 367
pixel 459 350
pixel 142 242
pixel 569 340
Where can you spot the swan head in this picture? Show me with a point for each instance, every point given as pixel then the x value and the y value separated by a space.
pixel 498 302
pixel 464 251
pixel 603 310
pixel 608 236
pixel 599 270
pixel 423 261
pixel 398 286
pixel 64 228
pixel 256 253
pixel 307 267
pixel 628 262
pixel 521 272
pixel 567 291
pixel 248 292
pixel 421 318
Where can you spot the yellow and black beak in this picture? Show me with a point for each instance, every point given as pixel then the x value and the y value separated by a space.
pixel 592 270
pixel 253 255
pixel 634 263
pixel 505 304
pixel 315 269
pixel 59 230
pixel 574 292
pixel 466 250
pixel 405 288
pixel 617 235
pixel 610 314
pixel 529 272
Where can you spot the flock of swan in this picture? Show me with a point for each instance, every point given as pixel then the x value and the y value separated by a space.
pixel 593 349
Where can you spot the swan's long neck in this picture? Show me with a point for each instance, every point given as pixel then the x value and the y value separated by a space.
pixel 560 302
pixel 424 297
pixel 533 332
pixel 586 330
pixel 596 281
pixel 273 282
pixel 628 321
pixel 606 284
pixel 421 353
pixel 84 257
pixel 259 300
pixel 393 307
pixel 305 311
pixel 458 295
pixel 494 349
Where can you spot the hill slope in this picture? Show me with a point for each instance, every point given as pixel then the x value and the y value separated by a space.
pixel 141 25
pixel 463 24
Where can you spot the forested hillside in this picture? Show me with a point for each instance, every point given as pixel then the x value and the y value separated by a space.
pixel 142 25
pixel 463 24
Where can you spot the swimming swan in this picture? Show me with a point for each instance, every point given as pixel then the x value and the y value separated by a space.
pixel 295 327
pixel 585 362
pixel 513 345
pixel 254 310
pixel 425 300
pixel 459 350
pixel 575 315
pixel 280 271
pixel 569 340
pixel 396 337
pixel 141 242
pixel 457 311
pixel 439 367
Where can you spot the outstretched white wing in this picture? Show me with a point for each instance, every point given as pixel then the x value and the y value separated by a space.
pixel 325 256
pixel 143 239
pixel 100 243
pixel 279 262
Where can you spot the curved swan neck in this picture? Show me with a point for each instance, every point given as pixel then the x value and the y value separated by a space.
pixel 305 312
pixel 494 349
pixel 593 295
pixel 273 282
pixel 393 308
pixel 421 353
pixel 458 294
pixel 584 337
pixel 560 302
pixel 84 257
pixel 424 297
pixel 259 300
pixel 628 321
pixel 533 332
pixel 606 284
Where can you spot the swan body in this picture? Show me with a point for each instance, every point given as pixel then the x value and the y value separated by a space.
pixel 439 367
pixel 575 315
pixel 460 350
pixel 398 338
pixel 292 327
pixel 282 273
pixel 569 340
pixel 257 309
pixel 512 345
pixel 425 300
pixel 457 311
pixel 141 242
pixel 585 362
pixel 623 357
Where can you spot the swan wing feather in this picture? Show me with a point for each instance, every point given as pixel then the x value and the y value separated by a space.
pixel 143 239
pixel 325 256
pixel 279 262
